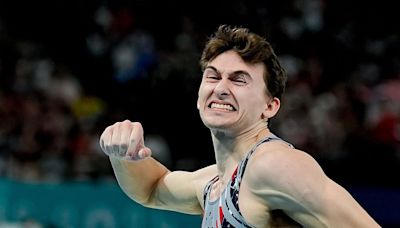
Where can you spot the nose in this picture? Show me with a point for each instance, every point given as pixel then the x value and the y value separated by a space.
pixel 222 88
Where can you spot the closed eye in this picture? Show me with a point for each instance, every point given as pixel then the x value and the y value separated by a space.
pixel 211 74
pixel 239 79
pixel 212 77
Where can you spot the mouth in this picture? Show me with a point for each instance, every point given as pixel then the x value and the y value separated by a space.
pixel 223 107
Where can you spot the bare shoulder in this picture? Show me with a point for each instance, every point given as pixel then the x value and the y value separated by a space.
pixel 279 158
pixel 292 181
pixel 277 168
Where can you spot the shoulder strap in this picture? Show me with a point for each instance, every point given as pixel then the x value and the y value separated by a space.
pixel 242 165
pixel 207 189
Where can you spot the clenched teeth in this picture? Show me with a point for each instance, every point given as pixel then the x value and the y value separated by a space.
pixel 222 106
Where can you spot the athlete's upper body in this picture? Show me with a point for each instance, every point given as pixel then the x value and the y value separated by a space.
pixel 262 182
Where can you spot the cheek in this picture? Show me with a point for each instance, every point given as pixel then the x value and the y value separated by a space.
pixel 201 88
pixel 198 103
pixel 200 98
pixel 203 92
pixel 257 104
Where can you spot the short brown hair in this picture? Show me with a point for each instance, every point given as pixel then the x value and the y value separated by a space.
pixel 252 48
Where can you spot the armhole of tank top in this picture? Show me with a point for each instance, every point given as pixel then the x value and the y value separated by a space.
pixel 206 190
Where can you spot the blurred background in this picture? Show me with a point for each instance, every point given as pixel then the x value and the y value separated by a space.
pixel 68 69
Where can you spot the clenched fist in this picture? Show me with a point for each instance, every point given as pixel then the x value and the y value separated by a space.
pixel 124 140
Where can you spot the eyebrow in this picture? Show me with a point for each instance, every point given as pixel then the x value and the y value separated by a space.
pixel 232 74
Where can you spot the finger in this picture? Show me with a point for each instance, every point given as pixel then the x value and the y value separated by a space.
pixel 125 129
pixel 135 141
pixel 116 138
pixel 105 140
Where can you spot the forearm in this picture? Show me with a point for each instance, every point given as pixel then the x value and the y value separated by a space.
pixel 138 179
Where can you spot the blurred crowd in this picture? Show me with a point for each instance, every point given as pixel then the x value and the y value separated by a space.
pixel 68 69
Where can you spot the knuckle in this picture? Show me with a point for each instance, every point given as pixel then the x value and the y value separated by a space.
pixel 126 124
pixel 135 124
pixel 106 131
pixel 124 147
pixel 108 149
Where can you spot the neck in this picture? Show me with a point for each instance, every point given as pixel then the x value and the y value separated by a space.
pixel 230 149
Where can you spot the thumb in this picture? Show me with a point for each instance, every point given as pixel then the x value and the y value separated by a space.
pixel 145 152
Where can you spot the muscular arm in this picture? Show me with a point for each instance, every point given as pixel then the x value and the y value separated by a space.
pixel 144 179
pixel 138 179
pixel 151 184
pixel 292 181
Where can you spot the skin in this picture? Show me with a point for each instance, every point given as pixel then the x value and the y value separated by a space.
pixel 234 105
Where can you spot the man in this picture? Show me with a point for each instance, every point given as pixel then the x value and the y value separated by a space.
pixel 258 180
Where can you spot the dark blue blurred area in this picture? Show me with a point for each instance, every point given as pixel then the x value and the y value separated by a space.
pixel 381 203
pixel 68 69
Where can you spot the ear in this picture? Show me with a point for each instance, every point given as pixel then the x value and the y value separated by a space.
pixel 271 108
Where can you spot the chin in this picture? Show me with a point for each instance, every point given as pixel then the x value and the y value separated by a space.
pixel 216 122
pixel 216 125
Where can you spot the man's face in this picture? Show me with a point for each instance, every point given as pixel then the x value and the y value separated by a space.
pixel 232 94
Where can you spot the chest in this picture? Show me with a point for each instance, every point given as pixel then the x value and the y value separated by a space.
pixel 237 206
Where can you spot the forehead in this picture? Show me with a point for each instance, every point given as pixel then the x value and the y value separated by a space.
pixel 230 61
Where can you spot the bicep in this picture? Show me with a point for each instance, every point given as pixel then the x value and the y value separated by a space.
pixel 181 191
pixel 176 191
